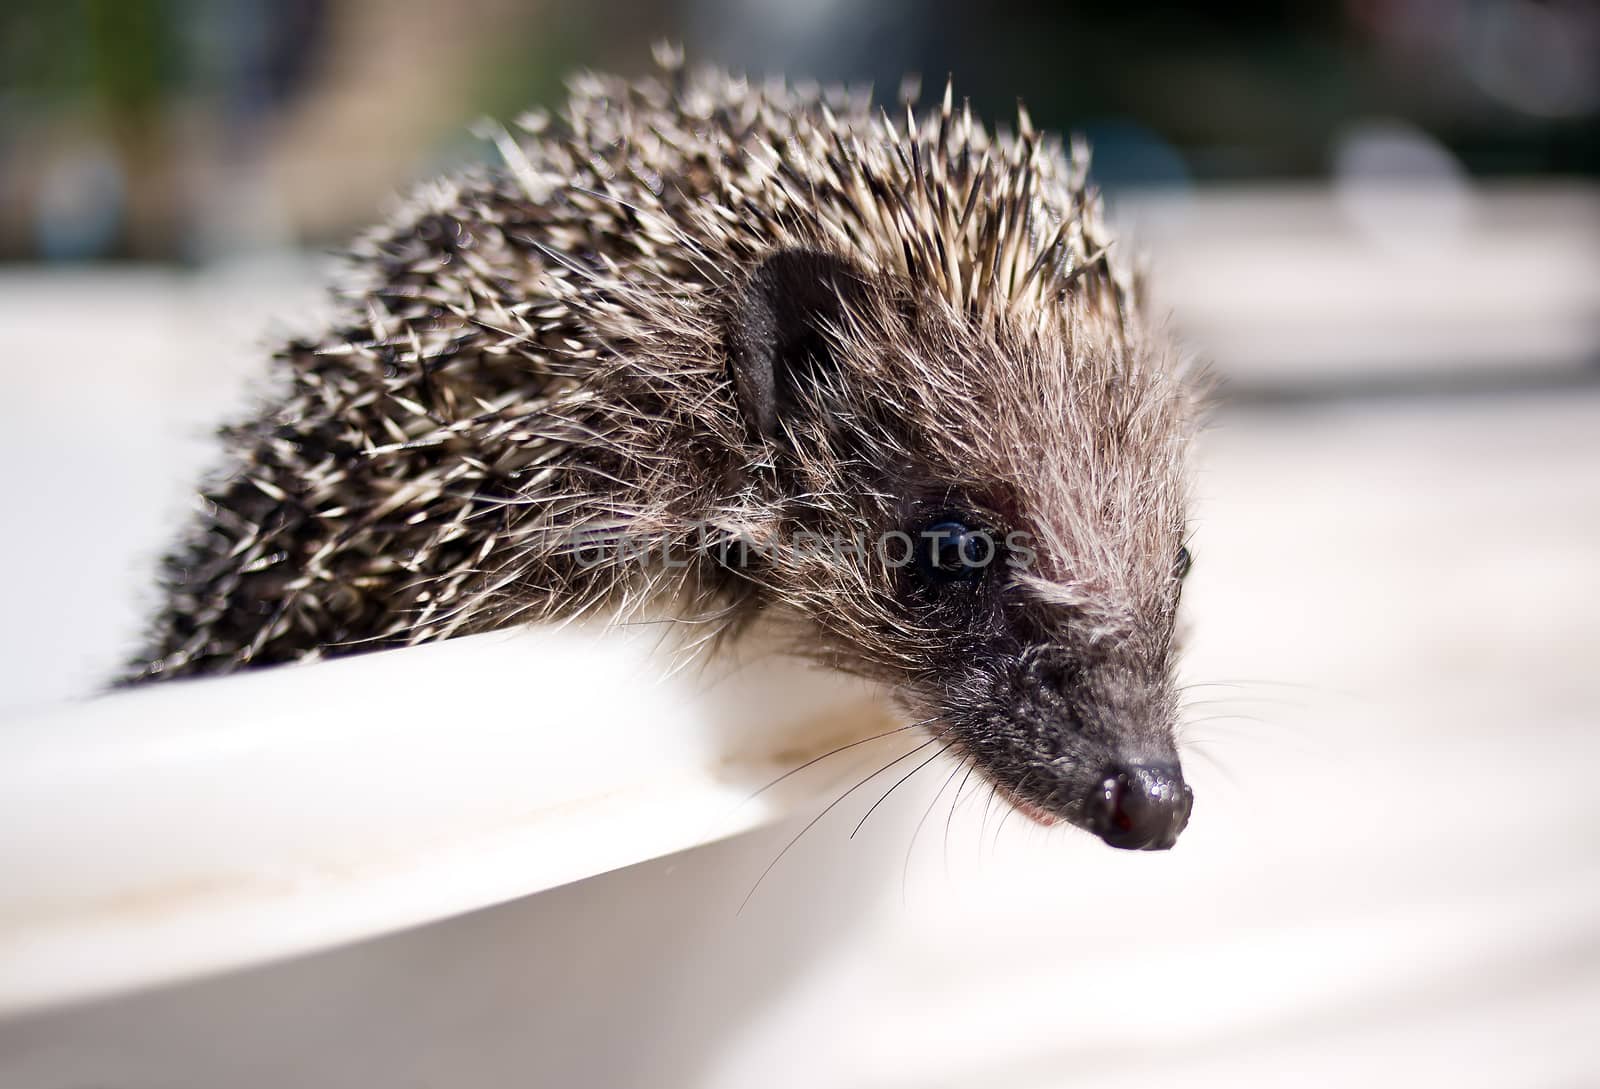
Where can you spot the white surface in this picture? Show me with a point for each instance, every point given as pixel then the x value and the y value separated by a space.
pixel 196 826
pixel 118 380
pixel 1283 286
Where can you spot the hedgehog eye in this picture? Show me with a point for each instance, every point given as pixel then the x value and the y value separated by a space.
pixel 948 551
pixel 1180 566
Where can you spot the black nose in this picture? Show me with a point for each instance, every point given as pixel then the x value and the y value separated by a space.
pixel 1141 807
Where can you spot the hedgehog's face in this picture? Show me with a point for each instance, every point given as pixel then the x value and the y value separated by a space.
pixel 1061 694
pixel 1013 532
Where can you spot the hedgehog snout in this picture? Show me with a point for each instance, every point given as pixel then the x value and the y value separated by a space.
pixel 1140 806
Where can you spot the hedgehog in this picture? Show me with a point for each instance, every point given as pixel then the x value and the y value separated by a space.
pixel 751 354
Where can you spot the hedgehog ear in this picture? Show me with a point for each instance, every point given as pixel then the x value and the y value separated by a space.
pixel 776 338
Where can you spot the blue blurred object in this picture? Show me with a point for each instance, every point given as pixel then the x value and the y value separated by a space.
pixel 1128 155
pixel 81 205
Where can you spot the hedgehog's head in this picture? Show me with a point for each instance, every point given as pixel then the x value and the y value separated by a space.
pixel 984 508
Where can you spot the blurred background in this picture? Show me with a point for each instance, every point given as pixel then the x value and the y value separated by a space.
pixel 1379 220
pixel 178 130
